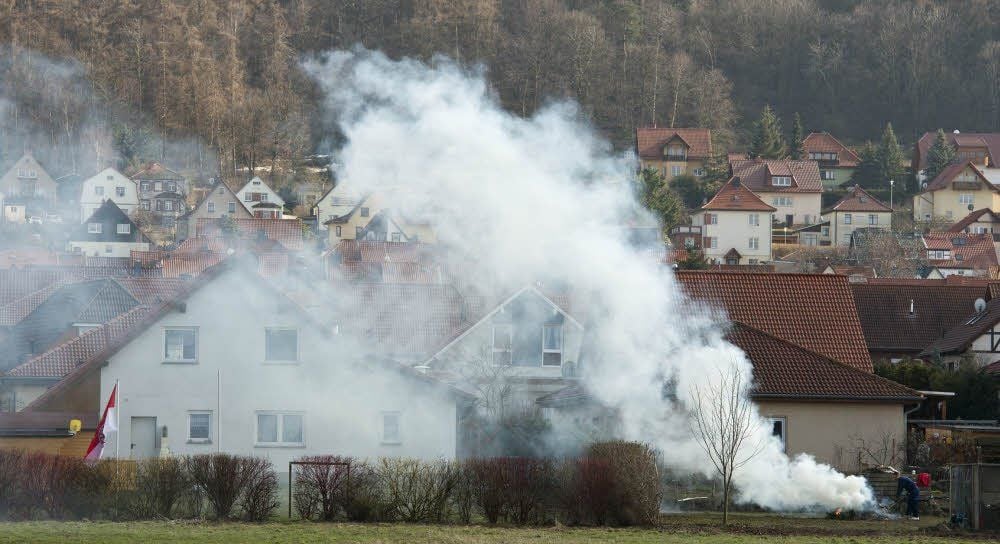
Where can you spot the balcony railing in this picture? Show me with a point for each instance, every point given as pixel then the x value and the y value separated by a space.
pixel 686 229
pixel 677 158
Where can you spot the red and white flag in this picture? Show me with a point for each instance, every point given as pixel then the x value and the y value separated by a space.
pixel 107 425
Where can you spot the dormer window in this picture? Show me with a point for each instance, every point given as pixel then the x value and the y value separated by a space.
pixel 502 342
pixel 676 151
pixel 781 181
pixel 552 345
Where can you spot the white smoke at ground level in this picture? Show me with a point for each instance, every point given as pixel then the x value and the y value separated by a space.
pixel 541 199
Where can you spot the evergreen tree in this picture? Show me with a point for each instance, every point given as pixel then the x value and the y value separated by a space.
pixel 869 167
pixel 767 141
pixel 694 260
pixel 797 150
pixel 939 156
pixel 690 189
pixel 658 198
pixel 890 158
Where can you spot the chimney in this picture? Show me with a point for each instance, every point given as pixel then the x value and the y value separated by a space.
pixel 911 306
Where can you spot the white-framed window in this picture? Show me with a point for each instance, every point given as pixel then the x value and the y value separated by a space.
pixel 676 170
pixel 872 219
pixel 247 197
pixel 263 197
pixel 158 186
pixel 711 219
pixel 280 429
pixel 94 228
pixel 180 344
pixel 754 243
pixel 124 228
pixel 232 207
pixel 781 181
pixel 552 345
pixel 99 190
pixel 395 237
pixel 338 231
pixel 120 191
pixel 392 432
pixel 825 231
pixel 711 242
pixel 754 261
pixel 168 205
pixel 281 344
pixel 781 201
pixel 779 430
pixel 827 175
pixel 145 204
pixel 847 219
pixel 199 427
pixel 211 207
pixel 171 187
pixel 365 212
pixel 699 172
pixel 754 219
pixel 503 335
pixel 966 198
pixel 144 186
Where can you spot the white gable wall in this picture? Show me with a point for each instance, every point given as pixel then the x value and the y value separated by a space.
pixel 109 184
pixel 342 406
pixel 257 185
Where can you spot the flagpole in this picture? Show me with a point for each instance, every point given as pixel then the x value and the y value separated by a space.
pixel 118 420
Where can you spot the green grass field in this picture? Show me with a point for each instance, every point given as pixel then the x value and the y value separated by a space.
pixel 694 528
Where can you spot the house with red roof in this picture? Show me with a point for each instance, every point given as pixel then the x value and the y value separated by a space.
pixel 857 209
pixel 983 220
pixel 792 187
pixel 981 149
pixel 734 227
pixel 836 161
pixel 674 151
pixel 960 188
pixel 959 254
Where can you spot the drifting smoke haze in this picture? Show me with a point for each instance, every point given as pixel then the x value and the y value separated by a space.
pixel 543 199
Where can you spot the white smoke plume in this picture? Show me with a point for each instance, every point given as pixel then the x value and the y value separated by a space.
pixel 543 199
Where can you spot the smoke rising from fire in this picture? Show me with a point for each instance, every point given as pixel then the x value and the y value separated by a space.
pixel 543 199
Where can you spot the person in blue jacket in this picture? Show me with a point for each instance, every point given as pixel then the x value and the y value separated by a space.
pixel 912 496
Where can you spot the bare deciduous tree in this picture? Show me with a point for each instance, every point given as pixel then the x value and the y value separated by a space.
pixel 726 425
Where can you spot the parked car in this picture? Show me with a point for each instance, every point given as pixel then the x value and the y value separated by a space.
pixel 34 220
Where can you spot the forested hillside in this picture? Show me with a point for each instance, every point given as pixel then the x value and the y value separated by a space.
pixel 221 77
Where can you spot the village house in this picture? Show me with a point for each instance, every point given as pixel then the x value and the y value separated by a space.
pixel 735 226
pixel 381 261
pixel 338 201
pixel 108 232
pixel 959 189
pixel 792 187
pixel 186 387
pixel 857 209
pixel 162 192
pixel 674 151
pixel 959 254
pixel 220 201
pixel 981 149
pixel 260 200
pixel 980 221
pixel 108 184
pixel 27 190
pixel 836 161
pixel 975 338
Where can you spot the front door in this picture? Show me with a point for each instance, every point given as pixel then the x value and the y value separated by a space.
pixel 143 438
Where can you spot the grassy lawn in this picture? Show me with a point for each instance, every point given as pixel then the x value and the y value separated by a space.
pixel 695 528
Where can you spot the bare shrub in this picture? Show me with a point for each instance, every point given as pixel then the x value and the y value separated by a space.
pixel 515 489
pixel 221 478
pixel 363 499
pixel 489 483
pixel 160 484
pixel 10 472
pixel 320 488
pixel 587 491
pixel 637 492
pixel 260 494
pixel 415 490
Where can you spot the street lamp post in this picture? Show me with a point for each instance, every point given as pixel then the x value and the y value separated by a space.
pixel 892 183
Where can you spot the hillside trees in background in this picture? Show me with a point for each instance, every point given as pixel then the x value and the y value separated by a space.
pixel 890 158
pixel 767 142
pixel 796 147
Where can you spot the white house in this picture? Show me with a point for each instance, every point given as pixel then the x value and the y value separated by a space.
pixel 338 202
pixel 735 226
pixel 108 184
pixel 260 200
pixel 793 187
pixel 289 387
pixel 107 232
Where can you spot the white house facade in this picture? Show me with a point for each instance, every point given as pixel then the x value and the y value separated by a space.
pixel 735 226
pixel 108 184
pixel 260 200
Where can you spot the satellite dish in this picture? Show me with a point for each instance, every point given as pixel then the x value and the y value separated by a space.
pixel 924 185
pixel 980 305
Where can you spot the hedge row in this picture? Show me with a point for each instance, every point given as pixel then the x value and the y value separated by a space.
pixel 615 483
pixel 38 485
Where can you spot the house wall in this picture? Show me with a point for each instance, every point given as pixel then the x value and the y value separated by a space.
pixel 803 204
pixel 100 249
pixel 944 203
pixel 734 230
pixel 257 185
pixel 830 431
pixel 14 186
pixel 667 168
pixel 341 400
pixel 348 229
pixel 90 201
pixel 841 231
pixel 841 176
pixel 337 202
pixel 221 197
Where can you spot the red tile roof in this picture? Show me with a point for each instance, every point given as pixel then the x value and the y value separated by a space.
pixel 989 140
pixel 823 142
pixel 756 174
pixel 649 141
pixel 815 311
pixel 858 200
pixel 15 311
pixel 975 217
pixel 938 305
pixel 286 231
pixel 152 291
pixel 734 196
pixel 156 171
pixel 192 264
pixel 959 338
pixel 972 251
pixel 18 283
pixel 372 251
pixel 952 171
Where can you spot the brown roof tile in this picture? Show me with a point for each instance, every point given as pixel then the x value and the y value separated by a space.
pixel 975 217
pixel 755 174
pixel 823 142
pixel 286 231
pixel 734 196
pixel 649 141
pixel 973 251
pixel 858 200
pixel 952 171
pixel 991 140
pixel 960 337
pixel 815 311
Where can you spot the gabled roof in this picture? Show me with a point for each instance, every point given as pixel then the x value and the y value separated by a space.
pixel 155 171
pixel 884 306
pixel 824 142
pixel 814 311
pixel 286 231
pixel 109 213
pixel 858 200
pixel 208 196
pixel 15 311
pixel 735 196
pixel 982 215
pixel 960 337
pixel 649 141
pixel 372 251
pixel 952 171
pixel 989 140
pixel 756 173
pixel 973 251
pixel 18 283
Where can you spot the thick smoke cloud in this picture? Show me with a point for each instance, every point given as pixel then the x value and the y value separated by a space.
pixel 542 199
